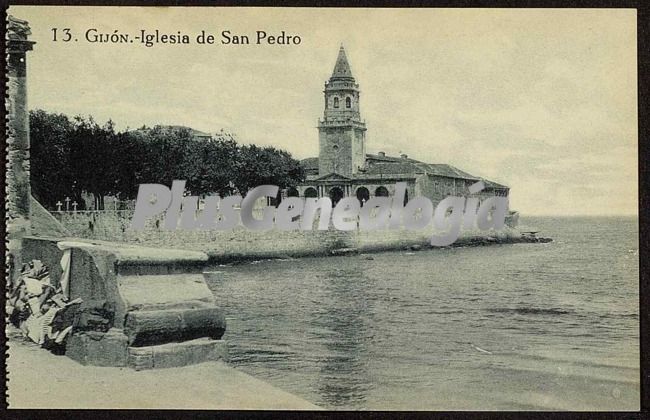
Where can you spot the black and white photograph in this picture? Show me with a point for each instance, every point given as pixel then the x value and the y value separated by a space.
pixel 283 208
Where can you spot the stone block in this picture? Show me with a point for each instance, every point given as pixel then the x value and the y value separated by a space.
pixel 140 358
pixel 145 328
pixel 148 297
pixel 98 349
pixel 171 291
pixel 177 354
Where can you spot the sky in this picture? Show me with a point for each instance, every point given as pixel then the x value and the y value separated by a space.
pixel 542 100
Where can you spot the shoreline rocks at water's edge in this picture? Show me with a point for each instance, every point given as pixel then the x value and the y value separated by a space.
pixel 470 241
pixel 494 240
pixel 467 239
pixel 461 243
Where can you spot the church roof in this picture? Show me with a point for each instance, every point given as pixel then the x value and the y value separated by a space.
pixel 342 67
pixel 387 165
pixel 392 168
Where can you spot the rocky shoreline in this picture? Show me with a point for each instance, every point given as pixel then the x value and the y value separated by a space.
pixel 494 240
pixel 468 240
pixel 460 243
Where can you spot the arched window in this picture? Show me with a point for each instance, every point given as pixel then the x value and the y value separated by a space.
pixel 292 192
pixel 381 192
pixel 363 195
pixel 348 102
pixel 336 102
pixel 311 192
pixel 336 194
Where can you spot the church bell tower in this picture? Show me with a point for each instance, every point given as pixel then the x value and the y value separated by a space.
pixel 341 132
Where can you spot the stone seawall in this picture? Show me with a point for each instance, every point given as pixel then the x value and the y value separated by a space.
pixel 244 244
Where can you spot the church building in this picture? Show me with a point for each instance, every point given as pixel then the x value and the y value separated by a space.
pixel 343 167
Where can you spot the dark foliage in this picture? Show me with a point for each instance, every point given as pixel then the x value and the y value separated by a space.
pixel 71 156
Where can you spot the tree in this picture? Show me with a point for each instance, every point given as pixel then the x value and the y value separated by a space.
pixel 167 150
pixel 51 172
pixel 71 157
pixel 130 151
pixel 218 166
pixel 266 165
pixel 93 158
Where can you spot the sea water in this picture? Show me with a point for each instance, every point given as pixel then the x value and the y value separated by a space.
pixel 508 327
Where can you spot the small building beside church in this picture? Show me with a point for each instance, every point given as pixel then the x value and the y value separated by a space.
pixel 343 167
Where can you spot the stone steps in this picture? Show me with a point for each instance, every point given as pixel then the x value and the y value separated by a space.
pixel 177 354
pixel 144 328
pixel 165 315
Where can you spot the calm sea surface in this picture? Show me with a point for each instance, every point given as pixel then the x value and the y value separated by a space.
pixel 509 327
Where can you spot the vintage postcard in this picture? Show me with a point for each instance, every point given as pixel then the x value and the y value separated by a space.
pixel 322 208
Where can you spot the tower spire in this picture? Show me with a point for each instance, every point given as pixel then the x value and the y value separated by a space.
pixel 342 66
pixel 341 132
